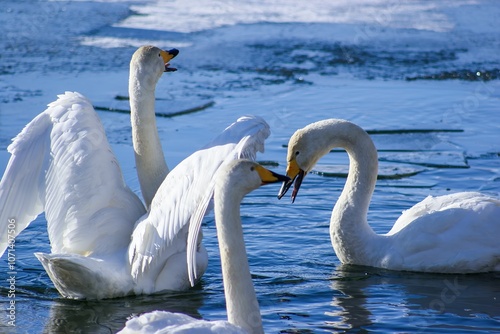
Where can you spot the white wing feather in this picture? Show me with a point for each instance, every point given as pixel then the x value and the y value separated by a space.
pixel 62 164
pixel 20 194
pixel 447 234
pixel 432 205
pixel 184 197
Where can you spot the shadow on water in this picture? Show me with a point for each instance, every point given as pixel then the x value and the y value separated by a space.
pixel 415 302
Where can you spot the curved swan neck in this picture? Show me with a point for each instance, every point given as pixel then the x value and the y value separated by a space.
pixel 150 161
pixel 241 301
pixel 349 229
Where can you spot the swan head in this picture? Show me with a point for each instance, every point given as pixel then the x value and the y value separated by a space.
pixel 243 176
pixel 305 148
pixel 149 62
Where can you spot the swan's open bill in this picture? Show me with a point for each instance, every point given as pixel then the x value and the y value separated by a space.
pixel 284 188
pixel 296 174
pixel 167 56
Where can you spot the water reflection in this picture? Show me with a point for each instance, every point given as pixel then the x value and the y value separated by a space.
pixel 109 316
pixel 350 305
pixel 364 297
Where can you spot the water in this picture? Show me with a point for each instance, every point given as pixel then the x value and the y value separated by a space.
pixel 422 76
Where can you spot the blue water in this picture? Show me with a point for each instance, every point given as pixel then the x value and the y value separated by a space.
pixel 391 67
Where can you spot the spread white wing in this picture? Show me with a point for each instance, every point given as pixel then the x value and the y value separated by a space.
pixel 62 164
pixel 184 197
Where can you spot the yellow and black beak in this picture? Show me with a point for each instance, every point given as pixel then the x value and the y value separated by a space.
pixel 296 174
pixel 168 56
pixel 267 176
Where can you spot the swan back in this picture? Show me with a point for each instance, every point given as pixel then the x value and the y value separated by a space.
pixel 162 322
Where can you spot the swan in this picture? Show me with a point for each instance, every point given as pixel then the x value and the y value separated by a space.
pixel 456 233
pixel 232 183
pixel 104 241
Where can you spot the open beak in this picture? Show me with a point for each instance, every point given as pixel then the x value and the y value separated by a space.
pixel 296 176
pixel 167 56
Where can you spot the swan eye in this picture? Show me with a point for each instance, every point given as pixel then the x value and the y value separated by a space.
pixel 159 55
pixel 297 153
pixel 252 168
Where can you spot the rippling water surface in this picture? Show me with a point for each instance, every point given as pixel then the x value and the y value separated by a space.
pixel 420 76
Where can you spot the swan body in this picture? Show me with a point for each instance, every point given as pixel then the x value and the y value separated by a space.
pixel 104 241
pixel 233 182
pixel 456 233
pixel 162 322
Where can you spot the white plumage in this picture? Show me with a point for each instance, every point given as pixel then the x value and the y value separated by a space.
pixel 162 322
pixel 456 233
pixel 62 164
pixel 232 182
pixel 182 201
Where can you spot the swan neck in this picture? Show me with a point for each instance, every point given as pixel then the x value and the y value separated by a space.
pixel 350 233
pixel 149 158
pixel 241 301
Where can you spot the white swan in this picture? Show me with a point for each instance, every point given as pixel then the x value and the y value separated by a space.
pixel 455 233
pixel 104 243
pixel 233 182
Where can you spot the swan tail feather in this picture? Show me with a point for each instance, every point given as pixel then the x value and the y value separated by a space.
pixel 80 277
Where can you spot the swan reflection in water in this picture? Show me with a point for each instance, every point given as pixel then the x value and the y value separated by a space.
pixel 109 315
pixel 363 296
